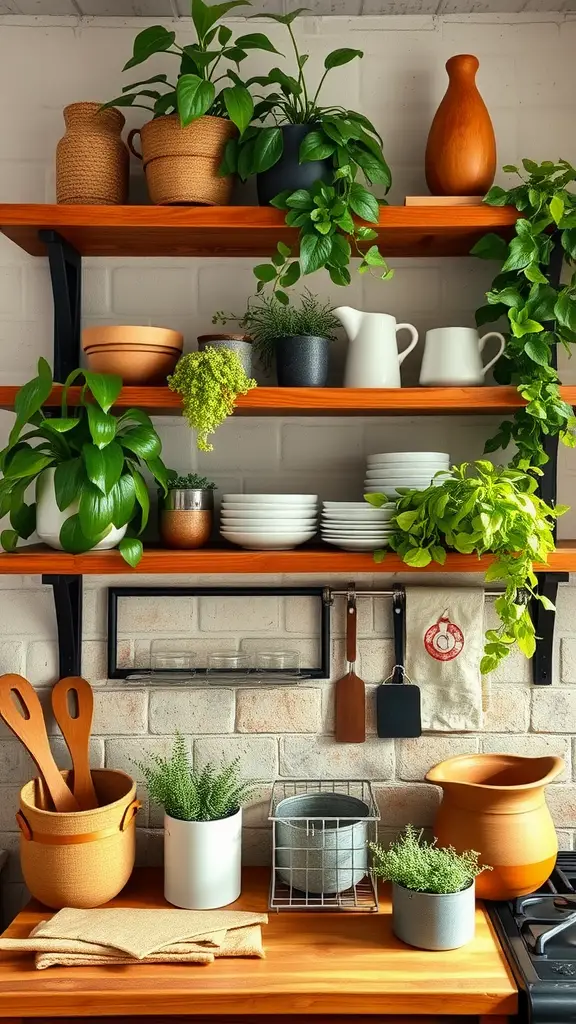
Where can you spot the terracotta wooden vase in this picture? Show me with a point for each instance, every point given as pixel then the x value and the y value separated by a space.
pixel 461 148
pixel 495 804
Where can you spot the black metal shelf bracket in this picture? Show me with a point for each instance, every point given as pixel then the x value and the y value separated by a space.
pixel 67 592
pixel 66 276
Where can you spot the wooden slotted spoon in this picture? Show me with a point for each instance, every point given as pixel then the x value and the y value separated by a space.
pixel 350 691
pixel 75 729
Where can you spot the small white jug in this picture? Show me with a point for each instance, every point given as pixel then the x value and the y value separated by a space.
pixel 373 360
pixel 452 357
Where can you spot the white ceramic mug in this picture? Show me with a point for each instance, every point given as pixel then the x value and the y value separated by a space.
pixel 452 357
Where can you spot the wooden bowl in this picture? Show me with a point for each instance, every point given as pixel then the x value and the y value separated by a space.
pixel 135 364
pixel 125 335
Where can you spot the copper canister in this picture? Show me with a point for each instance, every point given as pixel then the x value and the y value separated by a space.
pixel 186 518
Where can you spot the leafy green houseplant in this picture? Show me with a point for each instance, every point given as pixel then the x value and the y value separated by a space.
pixel 202 827
pixel 86 466
pixel 433 905
pixel 323 210
pixel 278 331
pixel 209 383
pixel 482 509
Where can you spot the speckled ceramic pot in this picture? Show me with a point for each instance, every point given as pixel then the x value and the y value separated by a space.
pixel 431 920
pixel 302 361
pixel 186 518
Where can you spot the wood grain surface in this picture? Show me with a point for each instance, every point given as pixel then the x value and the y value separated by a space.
pixel 344 964
pixel 238 230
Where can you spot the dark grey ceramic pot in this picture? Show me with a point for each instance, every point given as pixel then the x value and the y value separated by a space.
pixel 302 361
pixel 289 173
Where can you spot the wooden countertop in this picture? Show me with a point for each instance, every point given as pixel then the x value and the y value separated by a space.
pixel 347 963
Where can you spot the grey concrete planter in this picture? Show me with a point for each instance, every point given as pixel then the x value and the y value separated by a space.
pixel 431 921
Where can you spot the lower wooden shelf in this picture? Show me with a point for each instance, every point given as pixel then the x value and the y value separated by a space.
pixel 38 559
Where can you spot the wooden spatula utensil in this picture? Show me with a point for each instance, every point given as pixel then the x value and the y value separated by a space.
pixel 350 692
pixel 22 711
pixel 75 725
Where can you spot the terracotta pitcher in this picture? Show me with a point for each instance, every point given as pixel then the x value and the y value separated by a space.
pixel 461 148
pixel 495 803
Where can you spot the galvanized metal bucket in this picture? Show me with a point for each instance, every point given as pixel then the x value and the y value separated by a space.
pixel 433 920
pixel 321 842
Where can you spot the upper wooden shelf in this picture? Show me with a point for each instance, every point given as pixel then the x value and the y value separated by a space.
pixel 238 230
pixel 323 401
pixel 37 559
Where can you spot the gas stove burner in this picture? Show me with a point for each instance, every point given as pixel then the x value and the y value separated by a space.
pixel 568 970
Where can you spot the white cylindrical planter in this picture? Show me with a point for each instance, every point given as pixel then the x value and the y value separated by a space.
pixel 202 862
pixel 49 518
pixel 433 921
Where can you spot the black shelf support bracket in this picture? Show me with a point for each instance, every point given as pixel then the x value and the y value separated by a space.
pixel 67 592
pixel 66 275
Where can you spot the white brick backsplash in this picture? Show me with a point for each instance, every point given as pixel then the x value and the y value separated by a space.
pixel 255 812
pixel 322 758
pixel 10 292
pixel 364 617
pixel 258 754
pixel 162 288
pixel 29 613
pixel 252 445
pixel 9 803
pixel 15 764
pixel 192 711
pixel 312 444
pixel 562 803
pixel 508 710
pixel 415 757
pixel 416 804
pixel 95 659
pixel 42 662
pixel 531 745
pixel 256 847
pixel 565 839
pixel 287 709
pixel 302 615
pixel 94 613
pixel 240 614
pixel 553 709
pixel 375 659
pixel 170 615
pixel 568 660
pixel 62 754
pixel 117 713
pixel 11 656
pixel 123 752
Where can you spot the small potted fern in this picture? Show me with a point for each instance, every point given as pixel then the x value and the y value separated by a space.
pixel 433 891
pixel 202 827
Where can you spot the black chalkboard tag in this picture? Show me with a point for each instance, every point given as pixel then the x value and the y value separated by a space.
pixel 398 701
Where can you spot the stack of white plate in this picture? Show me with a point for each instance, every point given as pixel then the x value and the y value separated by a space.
pixel 388 471
pixel 356 525
pixel 269 522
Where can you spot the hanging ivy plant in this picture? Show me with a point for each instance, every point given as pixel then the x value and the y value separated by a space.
pixel 541 314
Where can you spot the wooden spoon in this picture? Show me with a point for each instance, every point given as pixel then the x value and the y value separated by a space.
pixel 350 693
pixel 24 716
pixel 76 732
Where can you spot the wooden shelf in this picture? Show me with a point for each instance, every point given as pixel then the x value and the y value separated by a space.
pixel 324 401
pixel 37 559
pixel 238 230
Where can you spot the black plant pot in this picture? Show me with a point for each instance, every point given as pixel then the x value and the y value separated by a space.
pixel 302 361
pixel 288 173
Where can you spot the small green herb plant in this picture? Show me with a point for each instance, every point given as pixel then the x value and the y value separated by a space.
pixel 97 458
pixel 541 313
pixel 189 794
pixel 209 383
pixel 203 66
pixel 415 864
pixel 482 509
pixel 324 213
pixel 190 482
pixel 266 320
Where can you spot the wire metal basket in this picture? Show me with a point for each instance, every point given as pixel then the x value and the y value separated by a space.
pixel 320 836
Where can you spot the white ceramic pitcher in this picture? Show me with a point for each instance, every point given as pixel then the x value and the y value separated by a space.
pixel 452 357
pixel 373 360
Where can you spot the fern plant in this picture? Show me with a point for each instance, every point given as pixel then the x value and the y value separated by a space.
pixel 204 794
pixel 425 867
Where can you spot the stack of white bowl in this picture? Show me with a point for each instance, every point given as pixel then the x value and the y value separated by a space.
pixel 356 525
pixel 389 471
pixel 269 522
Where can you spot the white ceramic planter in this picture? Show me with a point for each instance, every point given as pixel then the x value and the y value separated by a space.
pixel 49 518
pixel 202 862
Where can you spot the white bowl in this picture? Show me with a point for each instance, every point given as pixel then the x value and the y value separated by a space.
pixel 378 515
pixel 271 499
pixel 351 534
pixel 270 525
pixel 276 512
pixel 268 541
pixel 387 474
pixel 409 457
pixel 351 505
pixel 357 545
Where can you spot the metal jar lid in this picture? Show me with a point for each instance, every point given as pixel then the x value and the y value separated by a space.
pixel 188 500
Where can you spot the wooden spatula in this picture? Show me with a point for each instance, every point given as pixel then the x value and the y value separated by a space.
pixel 350 693
pixel 22 711
pixel 75 729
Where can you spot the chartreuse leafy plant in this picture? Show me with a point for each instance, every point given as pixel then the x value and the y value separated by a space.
pixel 329 236
pixel 425 867
pixel 205 82
pixel 540 314
pixel 97 458
pixel 482 509
pixel 209 383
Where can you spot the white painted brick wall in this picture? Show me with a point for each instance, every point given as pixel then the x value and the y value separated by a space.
pixel 527 76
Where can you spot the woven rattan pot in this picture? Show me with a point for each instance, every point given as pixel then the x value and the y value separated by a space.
pixel 181 164
pixel 91 160
pixel 84 858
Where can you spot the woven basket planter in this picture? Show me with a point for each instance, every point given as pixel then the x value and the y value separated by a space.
pixel 83 858
pixel 92 161
pixel 181 164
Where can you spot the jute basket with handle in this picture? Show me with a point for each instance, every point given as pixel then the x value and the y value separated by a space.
pixel 84 858
pixel 181 164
